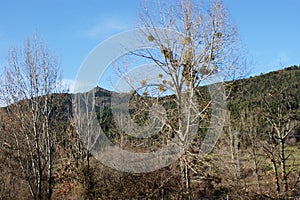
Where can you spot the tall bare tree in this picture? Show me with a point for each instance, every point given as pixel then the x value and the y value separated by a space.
pixel 30 79
pixel 195 40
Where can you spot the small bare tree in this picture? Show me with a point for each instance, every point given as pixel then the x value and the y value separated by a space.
pixel 87 131
pixel 282 122
pixel 252 139
pixel 30 79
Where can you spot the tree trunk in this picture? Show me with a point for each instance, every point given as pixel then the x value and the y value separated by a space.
pixel 283 165
pixel 275 168
pixel 185 181
pixel 50 178
pixel 256 168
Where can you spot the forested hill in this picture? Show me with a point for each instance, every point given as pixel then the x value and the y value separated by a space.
pixel 248 92
pixel 258 95
pixel 258 107
pixel 251 94
pixel 282 86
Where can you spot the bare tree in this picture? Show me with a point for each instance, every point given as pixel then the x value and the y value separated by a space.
pixel 30 79
pixel 206 43
pixel 282 122
pixel 88 131
pixel 250 126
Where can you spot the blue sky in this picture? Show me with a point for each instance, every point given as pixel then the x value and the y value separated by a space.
pixel 270 29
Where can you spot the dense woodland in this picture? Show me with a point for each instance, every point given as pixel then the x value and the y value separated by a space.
pixel 256 157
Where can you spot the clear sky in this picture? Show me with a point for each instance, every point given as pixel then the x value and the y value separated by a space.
pixel 270 29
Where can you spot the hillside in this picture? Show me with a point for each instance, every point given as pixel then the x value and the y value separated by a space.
pixel 242 163
pixel 248 91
